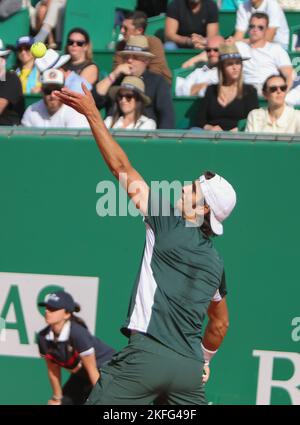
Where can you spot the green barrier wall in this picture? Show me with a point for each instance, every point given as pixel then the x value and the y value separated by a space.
pixel 49 225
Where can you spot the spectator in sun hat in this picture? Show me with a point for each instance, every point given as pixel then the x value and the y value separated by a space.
pixel 129 103
pixel 26 69
pixel 52 59
pixel 231 100
pixel 135 23
pixel 67 343
pixel 136 57
pixel 50 112
pixel 11 96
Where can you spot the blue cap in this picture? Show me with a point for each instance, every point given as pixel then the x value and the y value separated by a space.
pixel 26 40
pixel 59 300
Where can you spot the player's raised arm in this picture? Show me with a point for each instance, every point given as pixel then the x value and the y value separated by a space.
pixel 113 154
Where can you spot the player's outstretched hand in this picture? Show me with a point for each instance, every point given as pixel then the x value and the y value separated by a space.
pixel 82 103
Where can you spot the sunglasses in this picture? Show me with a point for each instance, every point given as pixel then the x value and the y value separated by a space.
pixel 49 90
pixel 76 43
pixel 259 27
pixel 21 48
pixel 128 96
pixel 273 89
pixel 211 49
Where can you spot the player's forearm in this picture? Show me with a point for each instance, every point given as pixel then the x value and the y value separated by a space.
pixel 112 153
pixel 214 334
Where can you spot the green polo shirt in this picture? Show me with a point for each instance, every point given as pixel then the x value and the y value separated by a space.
pixel 180 274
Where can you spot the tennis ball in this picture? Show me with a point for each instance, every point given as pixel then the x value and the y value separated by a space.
pixel 38 49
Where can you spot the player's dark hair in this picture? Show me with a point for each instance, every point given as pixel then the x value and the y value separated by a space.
pixel 206 228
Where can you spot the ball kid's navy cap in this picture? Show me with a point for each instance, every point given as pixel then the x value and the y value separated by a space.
pixel 59 300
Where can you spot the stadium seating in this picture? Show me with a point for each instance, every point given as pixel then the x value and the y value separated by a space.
pixel 185 107
pixel 97 17
pixel 14 27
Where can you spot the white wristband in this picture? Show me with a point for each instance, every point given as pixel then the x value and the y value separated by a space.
pixel 56 397
pixel 208 354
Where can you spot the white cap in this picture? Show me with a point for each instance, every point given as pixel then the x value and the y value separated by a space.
pixel 220 197
pixel 51 60
pixel 53 76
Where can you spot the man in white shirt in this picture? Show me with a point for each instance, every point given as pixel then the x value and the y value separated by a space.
pixel 278 30
pixel 50 111
pixel 196 82
pixel 265 58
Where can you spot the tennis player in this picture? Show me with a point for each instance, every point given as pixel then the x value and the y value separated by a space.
pixel 181 278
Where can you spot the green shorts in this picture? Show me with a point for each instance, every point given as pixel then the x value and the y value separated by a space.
pixel 147 372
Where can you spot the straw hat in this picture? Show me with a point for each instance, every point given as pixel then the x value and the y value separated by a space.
pixel 229 51
pixel 132 83
pixel 137 45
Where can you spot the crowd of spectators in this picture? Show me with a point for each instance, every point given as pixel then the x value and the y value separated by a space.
pixel 231 74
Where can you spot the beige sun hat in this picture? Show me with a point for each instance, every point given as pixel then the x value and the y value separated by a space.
pixel 137 45
pixel 229 51
pixel 132 83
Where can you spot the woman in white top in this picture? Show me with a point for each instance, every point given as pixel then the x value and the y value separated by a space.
pixel 130 100
pixel 278 117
